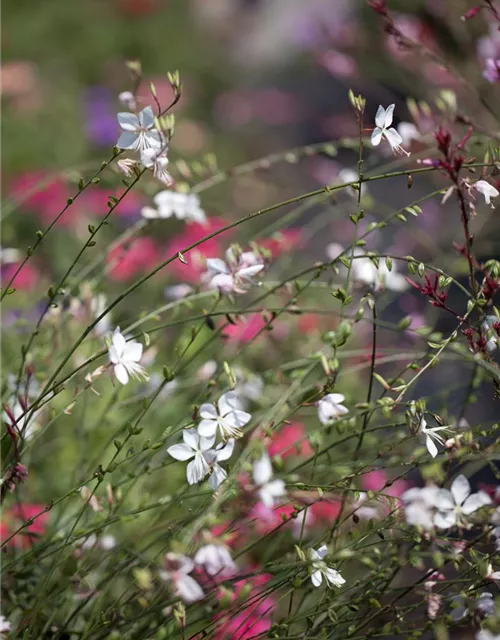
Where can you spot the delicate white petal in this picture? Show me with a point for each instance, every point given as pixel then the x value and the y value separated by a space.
pixel 128 121
pixel 181 452
pixel 248 272
pixel 121 373
pixel 337 398
pixel 460 489
pixel 217 477
pixel 224 453
pixel 128 140
pixel 380 117
pixel 444 500
pixel 228 402
pixel 188 589
pixel 191 438
pixel 431 447
pixel 216 265
pixel 208 411
pixel 118 341
pixel 333 577
pixel 276 488
pixel 317 578
pixel 445 519
pixel 206 443
pixel 207 428
pixel 376 137
pixel 197 470
pixel 114 356
pixel 147 117
pixel 238 418
pixel 322 551
pixel 388 115
pixel 393 138
pixel 475 502
pixel 133 351
pixel 262 470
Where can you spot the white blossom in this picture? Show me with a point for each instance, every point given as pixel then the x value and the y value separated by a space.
pixel 196 447
pixel 179 568
pixel 228 418
pixel 268 489
pixel 430 435
pixel 178 291
pixel 213 457
pixel 127 99
pixel 139 131
pixel 365 271
pixel 419 506
pixel 234 274
pixel 383 129
pixel 483 604
pixel 215 559
pixel 330 407
pixel 183 206
pixel 4 624
pixel 487 190
pixel 125 357
pixel 156 160
pixel 452 505
pixel 321 569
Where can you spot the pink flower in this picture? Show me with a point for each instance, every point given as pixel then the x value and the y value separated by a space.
pixel 266 519
pixel 125 262
pixel 16 516
pixel 282 241
pixel 290 440
pixel 26 279
pixel 245 330
pixel 196 258
pixel 41 193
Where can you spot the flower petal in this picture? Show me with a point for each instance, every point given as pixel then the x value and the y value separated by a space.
pixel 376 137
pixel 475 502
pixel 380 117
pixel 128 140
pixel 147 117
pixel 128 121
pixel 224 453
pixel 431 447
pixel 262 470
pixel 218 476
pixel 445 519
pixel 460 489
pixel 317 578
pixel 181 452
pixel 207 428
pixel 197 470
pixel 322 551
pixel 216 265
pixel 388 115
pixel 133 351
pixel 121 373
pixel 191 438
pixel 333 577
pixel 208 411
pixel 393 138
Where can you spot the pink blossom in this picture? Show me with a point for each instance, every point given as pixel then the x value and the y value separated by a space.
pixel 43 194
pixel 266 519
pixel 290 440
pixel 14 517
pixel 245 329
pixel 26 279
pixel 125 262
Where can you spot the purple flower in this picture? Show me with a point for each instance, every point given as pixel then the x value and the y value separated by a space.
pixel 491 70
pixel 101 126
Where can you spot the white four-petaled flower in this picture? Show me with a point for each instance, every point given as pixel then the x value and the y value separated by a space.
pixel 330 407
pixel 125 357
pixel 215 559
pixel 156 159
pixel 179 568
pixel 228 418
pixel 268 489
pixel 383 129
pixel 487 190
pixel 458 502
pixel 183 206
pixel 139 131
pixel 194 446
pixel 430 435
pixel 321 569
pixel 234 274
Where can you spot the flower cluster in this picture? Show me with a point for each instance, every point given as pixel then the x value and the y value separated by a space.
pixel 236 273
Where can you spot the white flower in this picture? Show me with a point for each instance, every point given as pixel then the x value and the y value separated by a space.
pixel 487 190
pixel 320 569
pixel 195 446
pixel 213 457
pixel 348 176
pixel 330 407
pixel 156 160
pixel 178 291
pixel 126 166
pixel 485 634
pixel 186 587
pixel 430 435
pixel 139 132
pixel 228 418
pixel 383 120
pixel 125 357
pixel 364 270
pixel 483 604
pixel 492 575
pixel 4 624
pixel 184 206
pixel 268 489
pixel 235 274
pixel 214 558
pixel 419 506
pixel 452 505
